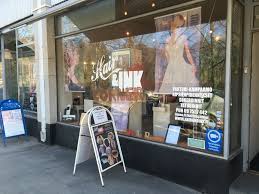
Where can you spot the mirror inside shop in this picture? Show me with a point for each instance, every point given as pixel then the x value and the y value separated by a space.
pixel 161 76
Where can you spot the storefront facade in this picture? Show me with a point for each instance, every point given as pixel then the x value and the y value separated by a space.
pixel 175 75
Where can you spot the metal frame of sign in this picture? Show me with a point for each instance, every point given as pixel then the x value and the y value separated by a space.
pixel 97 157
pixel 84 150
pixel 6 105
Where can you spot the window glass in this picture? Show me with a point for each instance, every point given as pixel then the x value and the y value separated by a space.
pixel 103 11
pixel 107 11
pixel 10 65
pixel 26 68
pixel 161 75
pixel 27 80
pixel 25 35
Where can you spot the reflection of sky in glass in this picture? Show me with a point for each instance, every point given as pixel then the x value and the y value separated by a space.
pixel 25 34
pixel 198 34
pixel 77 39
pixel 68 25
pixel 153 40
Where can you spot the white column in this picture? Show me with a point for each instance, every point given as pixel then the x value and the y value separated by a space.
pixel 45 60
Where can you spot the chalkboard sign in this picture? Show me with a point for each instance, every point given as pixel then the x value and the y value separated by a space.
pixel 11 119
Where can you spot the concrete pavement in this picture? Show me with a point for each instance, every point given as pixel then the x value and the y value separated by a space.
pixel 246 183
pixel 29 167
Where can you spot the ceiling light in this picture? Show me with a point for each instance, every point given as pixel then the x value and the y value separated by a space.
pixel 217 38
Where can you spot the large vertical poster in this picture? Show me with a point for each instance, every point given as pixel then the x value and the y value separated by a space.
pixel 177 55
pixel 74 68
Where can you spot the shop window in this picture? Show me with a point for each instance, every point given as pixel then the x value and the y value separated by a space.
pixel 26 68
pixel 10 63
pixel 25 35
pixel 161 75
pixel 103 11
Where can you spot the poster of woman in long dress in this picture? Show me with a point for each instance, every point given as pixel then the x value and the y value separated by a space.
pixel 177 55
pixel 74 73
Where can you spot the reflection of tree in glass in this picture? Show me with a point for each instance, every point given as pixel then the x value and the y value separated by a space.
pixel 212 55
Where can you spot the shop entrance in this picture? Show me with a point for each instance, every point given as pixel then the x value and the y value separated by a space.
pixel 254 106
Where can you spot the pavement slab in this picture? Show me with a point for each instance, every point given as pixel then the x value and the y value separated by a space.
pixel 246 183
pixel 29 167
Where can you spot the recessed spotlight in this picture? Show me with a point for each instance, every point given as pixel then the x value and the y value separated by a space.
pixel 125 13
pixel 153 4
pixel 211 31
pixel 127 33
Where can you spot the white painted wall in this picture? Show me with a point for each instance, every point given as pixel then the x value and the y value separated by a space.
pixel 15 10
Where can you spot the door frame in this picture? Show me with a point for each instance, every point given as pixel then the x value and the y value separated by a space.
pixel 252 130
pixel 247 72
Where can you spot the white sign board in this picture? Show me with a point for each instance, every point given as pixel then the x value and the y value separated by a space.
pixel 84 150
pixel 172 135
pixel 100 116
pixel 13 122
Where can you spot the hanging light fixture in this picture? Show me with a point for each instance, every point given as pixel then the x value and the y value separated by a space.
pixel 124 7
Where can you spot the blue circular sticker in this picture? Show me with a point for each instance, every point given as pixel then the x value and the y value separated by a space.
pixel 214 136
